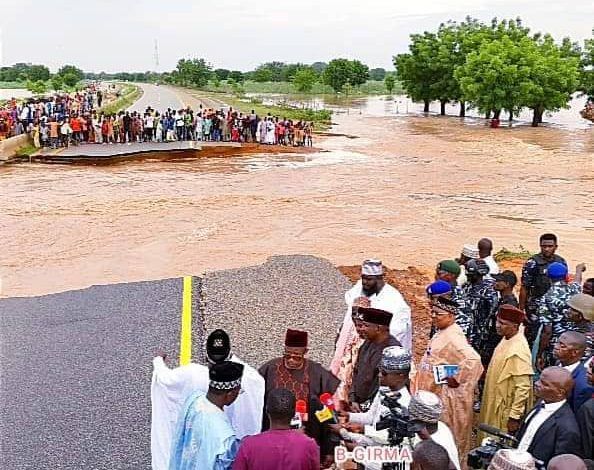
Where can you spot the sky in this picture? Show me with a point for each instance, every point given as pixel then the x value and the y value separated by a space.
pixel 120 35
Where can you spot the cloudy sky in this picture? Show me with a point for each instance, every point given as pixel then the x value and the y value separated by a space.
pixel 115 35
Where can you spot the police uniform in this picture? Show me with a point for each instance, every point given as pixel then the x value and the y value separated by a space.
pixel 479 312
pixel 552 310
pixel 536 282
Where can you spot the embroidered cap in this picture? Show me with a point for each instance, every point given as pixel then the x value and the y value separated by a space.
pixel 395 359
pixel 225 375
pixel 218 346
pixel 372 267
pixel 425 407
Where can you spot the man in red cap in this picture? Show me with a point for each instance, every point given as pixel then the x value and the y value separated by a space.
pixel 375 330
pixel 307 380
pixel 508 386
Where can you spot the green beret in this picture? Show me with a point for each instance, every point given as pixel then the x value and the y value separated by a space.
pixel 449 266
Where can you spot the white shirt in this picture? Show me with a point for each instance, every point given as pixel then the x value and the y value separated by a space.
pixel 572 367
pixel 541 416
pixel 444 437
pixel 390 300
pixel 377 409
pixel 493 267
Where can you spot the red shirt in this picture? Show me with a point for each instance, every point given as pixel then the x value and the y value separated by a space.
pixel 278 449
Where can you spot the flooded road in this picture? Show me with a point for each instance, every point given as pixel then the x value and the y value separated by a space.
pixel 410 190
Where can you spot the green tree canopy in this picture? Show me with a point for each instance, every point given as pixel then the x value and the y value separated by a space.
pixel 341 72
pixel 390 82
pixel 195 72
pixel 377 74
pixel 237 76
pixel 71 71
pixel 222 74
pixel 305 79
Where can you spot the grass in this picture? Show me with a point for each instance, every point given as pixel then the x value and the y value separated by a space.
pixel 130 94
pixel 371 87
pixel 12 85
pixel 26 151
pixel 504 254
pixel 322 117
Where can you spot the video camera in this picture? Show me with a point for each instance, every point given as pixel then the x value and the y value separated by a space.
pixel 398 421
pixel 481 457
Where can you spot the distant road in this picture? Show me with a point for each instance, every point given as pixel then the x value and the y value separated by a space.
pixel 157 97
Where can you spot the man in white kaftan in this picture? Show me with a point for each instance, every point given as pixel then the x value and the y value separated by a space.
pixel 171 388
pixel 381 296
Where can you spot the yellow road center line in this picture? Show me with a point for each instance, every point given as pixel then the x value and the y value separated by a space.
pixel 185 344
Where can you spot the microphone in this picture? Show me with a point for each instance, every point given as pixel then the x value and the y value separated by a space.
pixel 327 400
pixel 301 409
pixel 327 413
pixel 496 432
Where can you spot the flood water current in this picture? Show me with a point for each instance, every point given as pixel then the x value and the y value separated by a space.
pixel 410 189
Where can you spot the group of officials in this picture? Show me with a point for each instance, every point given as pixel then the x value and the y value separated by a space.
pixel 293 412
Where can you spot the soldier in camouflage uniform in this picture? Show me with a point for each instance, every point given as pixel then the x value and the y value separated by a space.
pixel 479 312
pixel 535 282
pixel 553 312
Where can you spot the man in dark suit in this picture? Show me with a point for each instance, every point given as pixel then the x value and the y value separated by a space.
pixel 550 428
pixel 585 419
pixel 569 351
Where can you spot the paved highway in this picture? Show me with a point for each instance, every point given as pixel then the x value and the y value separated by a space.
pixel 76 372
pixel 157 97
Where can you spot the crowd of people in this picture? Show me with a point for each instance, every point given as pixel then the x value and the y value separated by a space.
pixel 204 124
pixel 522 365
pixel 66 110
pixel 71 119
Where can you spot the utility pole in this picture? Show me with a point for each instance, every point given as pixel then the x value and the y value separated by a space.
pixel 156 56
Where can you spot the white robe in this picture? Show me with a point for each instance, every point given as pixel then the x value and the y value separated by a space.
pixel 170 388
pixel 270 137
pixel 390 300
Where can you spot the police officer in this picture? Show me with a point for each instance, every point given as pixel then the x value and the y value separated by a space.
pixel 535 282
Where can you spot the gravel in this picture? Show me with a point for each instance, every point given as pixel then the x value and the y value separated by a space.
pixel 256 305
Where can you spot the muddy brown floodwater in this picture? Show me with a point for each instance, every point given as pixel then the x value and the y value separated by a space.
pixel 410 190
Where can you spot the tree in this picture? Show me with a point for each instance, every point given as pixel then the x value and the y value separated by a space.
pixel 222 74
pixel 57 83
pixel 377 74
pixel 587 68
pixel 75 74
pixel 319 67
pixel 38 73
pixel 38 87
pixel 416 69
pixel 358 74
pixel 192 72
pixel 237 76
pixel 390 82
pixel 305 79
pixel 341 72
pixel 69 79
pixel 337 74
pixel 269 72
pixel 554 77
pixel 496 76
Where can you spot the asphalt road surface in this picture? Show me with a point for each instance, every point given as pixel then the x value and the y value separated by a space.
pixel 157 97
pixel 76 373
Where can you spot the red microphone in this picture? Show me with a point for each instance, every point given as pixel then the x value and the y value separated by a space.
pixel 328 401
pixel 301 409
